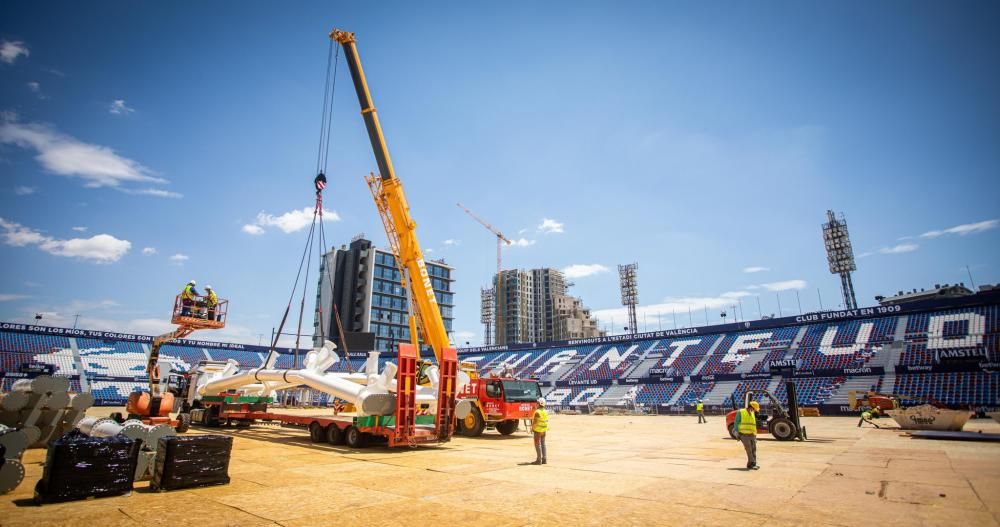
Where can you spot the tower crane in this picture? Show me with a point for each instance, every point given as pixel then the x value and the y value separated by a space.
pixel 489 295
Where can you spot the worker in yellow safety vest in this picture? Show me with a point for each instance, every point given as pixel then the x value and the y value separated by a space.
pixel 188 295
pixel 746 432
pixel 700 408
pixel 540 425
pixel 211 300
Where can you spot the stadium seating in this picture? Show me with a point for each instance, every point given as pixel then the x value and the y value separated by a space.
pixel 29 343
pixel 951 388
pixel 116 367
pixel 656 394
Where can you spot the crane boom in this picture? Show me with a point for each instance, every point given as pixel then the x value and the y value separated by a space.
pixel 483 222
pixel 390 199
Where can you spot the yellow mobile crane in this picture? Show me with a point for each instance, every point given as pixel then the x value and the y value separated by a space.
pixel 401 230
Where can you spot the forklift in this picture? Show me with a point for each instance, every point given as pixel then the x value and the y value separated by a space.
pixel 773 418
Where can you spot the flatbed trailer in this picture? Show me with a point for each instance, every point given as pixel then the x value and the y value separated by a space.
pixel 353 431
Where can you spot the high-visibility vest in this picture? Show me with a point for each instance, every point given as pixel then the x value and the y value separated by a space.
pixel 541 419
pixel 748 423
pixel 213 299
pixel 699 407
pixel 187 294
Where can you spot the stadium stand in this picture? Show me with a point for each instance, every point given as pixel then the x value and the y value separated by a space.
pixel 946 352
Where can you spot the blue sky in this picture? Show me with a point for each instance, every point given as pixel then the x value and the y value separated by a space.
pixel 140 140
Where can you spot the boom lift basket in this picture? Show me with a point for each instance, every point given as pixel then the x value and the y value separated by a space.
pixel 197 314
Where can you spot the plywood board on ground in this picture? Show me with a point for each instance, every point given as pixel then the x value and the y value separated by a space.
pixel 603 470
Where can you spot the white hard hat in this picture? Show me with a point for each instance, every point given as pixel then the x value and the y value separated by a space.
pixel 541 401
pixel 192 282
pixel 208 287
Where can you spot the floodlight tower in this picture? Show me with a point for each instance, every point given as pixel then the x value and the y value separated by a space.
pixel 630 293
pixel 840 255
pixel 486 313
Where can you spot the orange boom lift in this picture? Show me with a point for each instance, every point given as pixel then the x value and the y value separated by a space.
pixel 154 407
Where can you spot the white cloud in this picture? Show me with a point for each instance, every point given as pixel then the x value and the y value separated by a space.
pixel 901 248
pixel 964 229
pixel 896 249
pixel 550 226
pixel 160 193
pixel 179 258
pixel 288 222
pixel 148 251
pixel 118 107
pixel 80 229
pixel 8 297
pixel 755 269
pixel 11 50
pixel 662 314
pixel 253 229
pixel 452 242
pixel 583 270
pixel 34 86
pixel 521 242
pixel 24 191
pixel 96 165
pixel 428 250
pixel 522 231
pixel 785 285
pixel 102 248
pixel 463 336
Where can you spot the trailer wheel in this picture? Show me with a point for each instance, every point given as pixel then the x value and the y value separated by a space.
pixel 183 423
pixel 474 424
pixel 782 429
pixel 211 417
pixel 355 438
pixel 732 430
pixel 507 427
pixel 334 435
pixel 316 433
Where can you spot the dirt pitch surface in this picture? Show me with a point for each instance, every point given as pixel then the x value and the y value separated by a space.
pixel 602 470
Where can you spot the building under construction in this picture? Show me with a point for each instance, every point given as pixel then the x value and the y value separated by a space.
pixel 533 306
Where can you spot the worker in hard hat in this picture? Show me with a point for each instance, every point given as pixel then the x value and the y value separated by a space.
pixel 188 296
pixel 211 301
pixel 700 408
pixel 746 432
pixel 539 426
pixel 867 415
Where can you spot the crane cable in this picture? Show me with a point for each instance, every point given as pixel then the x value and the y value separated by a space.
pixel 322 161
pixel 322 156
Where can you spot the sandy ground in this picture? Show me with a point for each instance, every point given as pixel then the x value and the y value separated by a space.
pixel 602 470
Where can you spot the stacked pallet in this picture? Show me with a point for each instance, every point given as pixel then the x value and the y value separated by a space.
pixel 148 437
pixel 43 408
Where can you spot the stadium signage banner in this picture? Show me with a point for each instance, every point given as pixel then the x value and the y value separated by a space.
pixel 947 367
pixel 722 377
pixel 965 355
pixel 37 369
pixel 110 335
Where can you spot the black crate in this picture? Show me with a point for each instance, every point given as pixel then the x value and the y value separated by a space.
pixel 79 467
pixel 191 461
